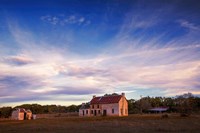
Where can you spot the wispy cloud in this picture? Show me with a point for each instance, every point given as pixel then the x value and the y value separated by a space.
pixel 19 60
pixel 123 67
pixel 65 20
pixel 189 25
pixel 52 20
pixel 132 60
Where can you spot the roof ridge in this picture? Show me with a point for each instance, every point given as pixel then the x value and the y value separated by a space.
pixel 111 95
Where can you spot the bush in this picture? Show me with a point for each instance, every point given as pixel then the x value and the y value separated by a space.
pixel 5 112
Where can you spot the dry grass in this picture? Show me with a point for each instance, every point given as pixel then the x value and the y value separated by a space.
pixel 132 123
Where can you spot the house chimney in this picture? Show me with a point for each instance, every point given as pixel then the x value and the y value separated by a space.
pixel 94 96
pixel 123 94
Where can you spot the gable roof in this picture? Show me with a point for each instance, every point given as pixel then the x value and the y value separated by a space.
pixel 85 106
pixel 21 110
pixel 28 111
pixel 106 99
pixel 159 109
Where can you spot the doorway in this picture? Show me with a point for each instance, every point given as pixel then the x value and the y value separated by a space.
pixel 95 112
pixel 104 112
pixel 83 113
pixel 24 115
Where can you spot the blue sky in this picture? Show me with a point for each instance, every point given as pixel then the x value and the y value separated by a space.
pixel 64 51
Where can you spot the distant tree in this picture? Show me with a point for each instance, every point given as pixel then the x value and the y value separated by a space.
pixel 156 102
pixel 35 108
pixel 132 106
pixel 62 109
pixel 170 103
pixel 113 94
pixel 5 112
pixel 196 104
pixel 73 108
pixel 53 109
pixel 144 104
pixel 184 105
pixel 45 109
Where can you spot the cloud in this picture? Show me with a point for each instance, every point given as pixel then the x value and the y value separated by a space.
pixel 17 86
pixel 191 26
pixel 65 20
pixel 51 19
pixel 35 71
pixel 78 90
pixel 41 99
pixel 77 71
pixel 19 60
pixel 82 19
pixel 131 63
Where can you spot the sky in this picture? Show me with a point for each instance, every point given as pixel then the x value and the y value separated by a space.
pixel 65 51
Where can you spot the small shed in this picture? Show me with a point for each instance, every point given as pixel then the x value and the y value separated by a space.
pixel 21 114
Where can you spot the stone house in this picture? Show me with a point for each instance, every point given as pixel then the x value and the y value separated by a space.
pixel 21 114
pixel 111 105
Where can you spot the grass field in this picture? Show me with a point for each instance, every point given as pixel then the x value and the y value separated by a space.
pixel 132 123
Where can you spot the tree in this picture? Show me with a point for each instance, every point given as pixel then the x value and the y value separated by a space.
pixel 5 112
pixel 144 104
pixel 73 108
pixel 169 102
pixel 113 94
pixel 156 102
pixel 184 105
pixel 35 108
pixel 132 106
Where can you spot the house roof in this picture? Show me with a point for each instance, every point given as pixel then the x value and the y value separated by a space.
pixel 22 110
pixel 159 109
pixel 85 106
pixel 28 111
pixel 106 99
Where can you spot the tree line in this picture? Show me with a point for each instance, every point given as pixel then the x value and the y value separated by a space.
pixel 6 112
pixel 184 104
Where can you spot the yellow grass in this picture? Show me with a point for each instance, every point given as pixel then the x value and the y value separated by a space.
pixel 132 123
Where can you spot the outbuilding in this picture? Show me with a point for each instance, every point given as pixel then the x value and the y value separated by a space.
pixel 21 114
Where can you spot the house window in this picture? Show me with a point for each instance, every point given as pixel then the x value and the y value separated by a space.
pixel 86 111
pixel 97 106
pixel 92 106
pixel 113 111
pixel 121 111
pixel 91 111
pixel 99 111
